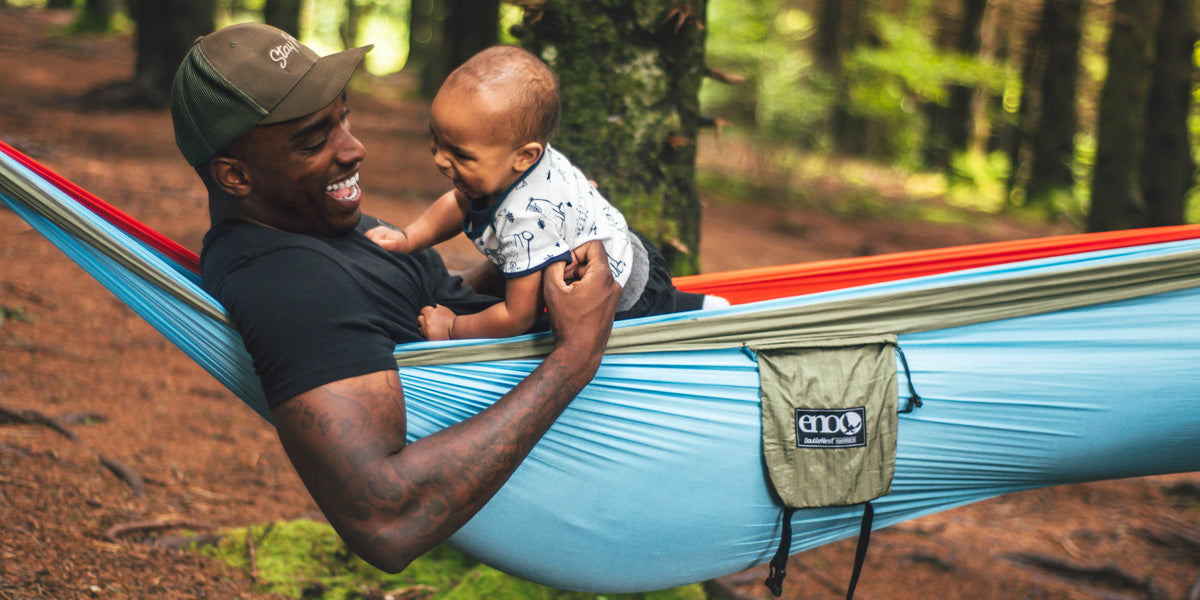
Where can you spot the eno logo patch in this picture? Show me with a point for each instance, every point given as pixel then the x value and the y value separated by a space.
pixel 831 427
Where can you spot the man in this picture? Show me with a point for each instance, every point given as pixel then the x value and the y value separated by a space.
pixel 264 121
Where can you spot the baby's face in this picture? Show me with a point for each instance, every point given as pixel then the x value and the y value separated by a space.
pixel 468 145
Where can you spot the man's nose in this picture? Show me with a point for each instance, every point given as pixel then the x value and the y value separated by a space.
pixel 351 150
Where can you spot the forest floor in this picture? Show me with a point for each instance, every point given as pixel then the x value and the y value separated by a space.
pixel 195 457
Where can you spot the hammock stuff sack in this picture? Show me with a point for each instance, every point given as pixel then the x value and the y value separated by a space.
pixel 1039 363
pixel 829 420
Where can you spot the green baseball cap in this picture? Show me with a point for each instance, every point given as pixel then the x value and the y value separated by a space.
pixel 246 75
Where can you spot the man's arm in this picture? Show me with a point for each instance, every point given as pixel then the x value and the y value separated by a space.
pixel 392 502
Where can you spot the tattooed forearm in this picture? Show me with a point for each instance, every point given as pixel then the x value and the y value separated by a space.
pixel 391 501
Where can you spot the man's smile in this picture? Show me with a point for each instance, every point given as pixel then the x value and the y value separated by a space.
pixel 346 190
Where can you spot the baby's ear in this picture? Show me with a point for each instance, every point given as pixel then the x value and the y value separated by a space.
pixel 527 156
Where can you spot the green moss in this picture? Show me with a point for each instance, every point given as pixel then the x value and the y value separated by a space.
pixel 13 313
pixel 306 559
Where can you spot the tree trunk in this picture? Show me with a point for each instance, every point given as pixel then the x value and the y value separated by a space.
pixel 1052 138
pixel 52 4
pixel 831 36
pixel 1033 67
pixel 472 26
pixel 428 57
pixel 354 13
pixel 443 35
pixel 970 43
pixel 631 73
pixel 165 31
pixel 847 22
pixel 284 14
pixel 1168 170
pixel 950 124
pixel 1117 201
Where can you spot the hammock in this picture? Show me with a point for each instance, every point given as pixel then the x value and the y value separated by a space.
pixel 1040 362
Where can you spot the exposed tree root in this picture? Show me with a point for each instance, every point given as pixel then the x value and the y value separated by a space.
pixel 33 417
pixel 1177 535
pixel 60 425
pixel 1111 576
pixel 125 529
pixel 135 482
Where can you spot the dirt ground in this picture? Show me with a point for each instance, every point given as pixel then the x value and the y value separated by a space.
pixel 195 457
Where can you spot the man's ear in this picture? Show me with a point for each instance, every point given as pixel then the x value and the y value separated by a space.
pixel 527 156
pixel 231 175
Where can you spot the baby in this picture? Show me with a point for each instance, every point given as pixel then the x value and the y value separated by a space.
pixel 521 202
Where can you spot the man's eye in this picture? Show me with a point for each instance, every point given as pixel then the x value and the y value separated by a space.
pixel 314 146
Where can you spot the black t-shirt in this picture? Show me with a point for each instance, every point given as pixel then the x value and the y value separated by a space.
pixel 315 309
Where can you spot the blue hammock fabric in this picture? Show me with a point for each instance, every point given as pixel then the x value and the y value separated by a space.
pixel 654 476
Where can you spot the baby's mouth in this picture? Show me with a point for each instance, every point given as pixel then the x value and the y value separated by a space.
pixel 346 190
pixel 462 187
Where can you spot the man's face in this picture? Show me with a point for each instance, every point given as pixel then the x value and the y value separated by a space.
pixel 304 172
pixel 469 145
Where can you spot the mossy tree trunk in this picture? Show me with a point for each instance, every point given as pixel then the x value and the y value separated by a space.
pixel 630 72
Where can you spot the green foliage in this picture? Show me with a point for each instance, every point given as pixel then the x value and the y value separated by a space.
pixel 306 559
pixel 787 97
pixel 27 3
pixel 979 181
pixel 784 96
pixel 890 82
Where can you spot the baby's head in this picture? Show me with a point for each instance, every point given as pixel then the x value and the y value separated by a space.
pixel 515 84
pixel 492 119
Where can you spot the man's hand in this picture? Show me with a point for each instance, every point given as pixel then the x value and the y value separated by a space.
pixel 388 238
pixel 436 322
pixel 581 312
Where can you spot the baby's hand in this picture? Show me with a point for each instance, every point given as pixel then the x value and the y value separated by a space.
pixel 436 322
pixel 388 238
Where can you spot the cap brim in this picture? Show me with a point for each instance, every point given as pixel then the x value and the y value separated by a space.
pixel 322 84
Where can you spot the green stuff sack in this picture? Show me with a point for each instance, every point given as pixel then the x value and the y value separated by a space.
pixel 829 420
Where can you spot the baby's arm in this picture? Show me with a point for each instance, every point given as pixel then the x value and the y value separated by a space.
pixel 514 316
pixel 440 222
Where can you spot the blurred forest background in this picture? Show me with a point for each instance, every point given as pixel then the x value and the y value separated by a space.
pixel 1078 112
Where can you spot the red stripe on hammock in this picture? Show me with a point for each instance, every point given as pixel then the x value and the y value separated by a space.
pixel 748 285
pixel 186 258
pixel 768 283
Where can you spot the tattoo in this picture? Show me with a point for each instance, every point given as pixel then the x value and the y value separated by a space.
pixel 392 501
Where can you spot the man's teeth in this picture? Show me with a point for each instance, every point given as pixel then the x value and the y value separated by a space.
pixel 343 184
